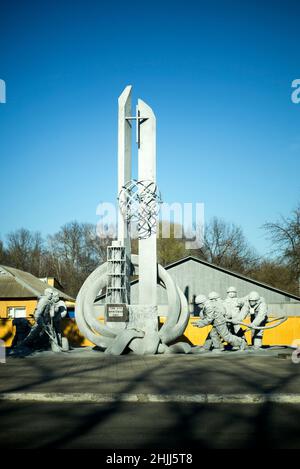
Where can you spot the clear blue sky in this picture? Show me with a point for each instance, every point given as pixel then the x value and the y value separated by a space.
pixel 217 74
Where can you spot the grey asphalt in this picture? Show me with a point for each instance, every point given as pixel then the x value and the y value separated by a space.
pixel 148 426
pixel 169 424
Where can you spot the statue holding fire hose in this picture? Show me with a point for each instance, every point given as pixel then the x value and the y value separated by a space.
pixel 48 314
pixel 226 318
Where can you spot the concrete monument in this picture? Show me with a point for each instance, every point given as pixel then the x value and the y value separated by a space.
pixel 130 326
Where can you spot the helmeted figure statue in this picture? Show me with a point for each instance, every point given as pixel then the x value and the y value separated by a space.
pixel 255 307
pixel 41 316
pixel 233 306
pixel 201 301
pixel 58 312
pixel 48 314
pixel 215 315
pixel 213 340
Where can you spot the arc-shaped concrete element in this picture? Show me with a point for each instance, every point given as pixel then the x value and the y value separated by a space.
pixel 138 340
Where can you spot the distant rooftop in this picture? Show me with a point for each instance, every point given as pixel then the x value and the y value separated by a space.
pixel 230 272
pixel 15 283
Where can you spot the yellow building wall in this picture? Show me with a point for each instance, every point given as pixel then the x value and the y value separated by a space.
pixel 28 304
pixel 284 334
pixel 7 331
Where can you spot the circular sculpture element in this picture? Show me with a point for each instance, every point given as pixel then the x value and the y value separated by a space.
pixel 115 341
pixel 139 203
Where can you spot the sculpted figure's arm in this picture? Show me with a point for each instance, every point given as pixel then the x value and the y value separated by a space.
pixel 262 313
pixel 245 311
pixel 208 318
pixel 228 310
pixel 42 303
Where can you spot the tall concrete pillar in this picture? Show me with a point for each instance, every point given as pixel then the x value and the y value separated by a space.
pixel 124 173
pixel 124 154
pixel 147 171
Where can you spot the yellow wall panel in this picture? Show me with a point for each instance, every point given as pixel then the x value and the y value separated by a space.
pixel 284 334
pixel 28 304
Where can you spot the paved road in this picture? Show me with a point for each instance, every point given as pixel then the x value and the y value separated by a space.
pixel 150 425
pixel 153 426
pixel 179 374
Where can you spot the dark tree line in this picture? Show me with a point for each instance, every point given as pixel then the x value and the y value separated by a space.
pixel 72 253
pixel 69 255
pixel 285 237
pixel 225 244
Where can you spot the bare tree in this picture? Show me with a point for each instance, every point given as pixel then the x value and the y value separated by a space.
pixel 74 252
pixel 3 255
pixel 70 255
pixel 169 248
pixel 276 274
pixel 285 237
pixel 172 248
pixel 25 251
pixel 225 244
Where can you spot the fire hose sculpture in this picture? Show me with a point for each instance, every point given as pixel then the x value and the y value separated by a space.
pixel 227 316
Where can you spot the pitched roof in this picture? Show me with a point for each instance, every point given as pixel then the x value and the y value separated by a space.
pixel 230 272
pixel 15 283
pixel 220 269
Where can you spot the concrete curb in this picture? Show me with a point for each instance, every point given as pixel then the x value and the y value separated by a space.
pixel 146 397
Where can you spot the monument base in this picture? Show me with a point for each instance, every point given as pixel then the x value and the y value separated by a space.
pixel 144 318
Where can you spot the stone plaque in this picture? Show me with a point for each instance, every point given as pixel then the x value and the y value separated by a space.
pixel 117 313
